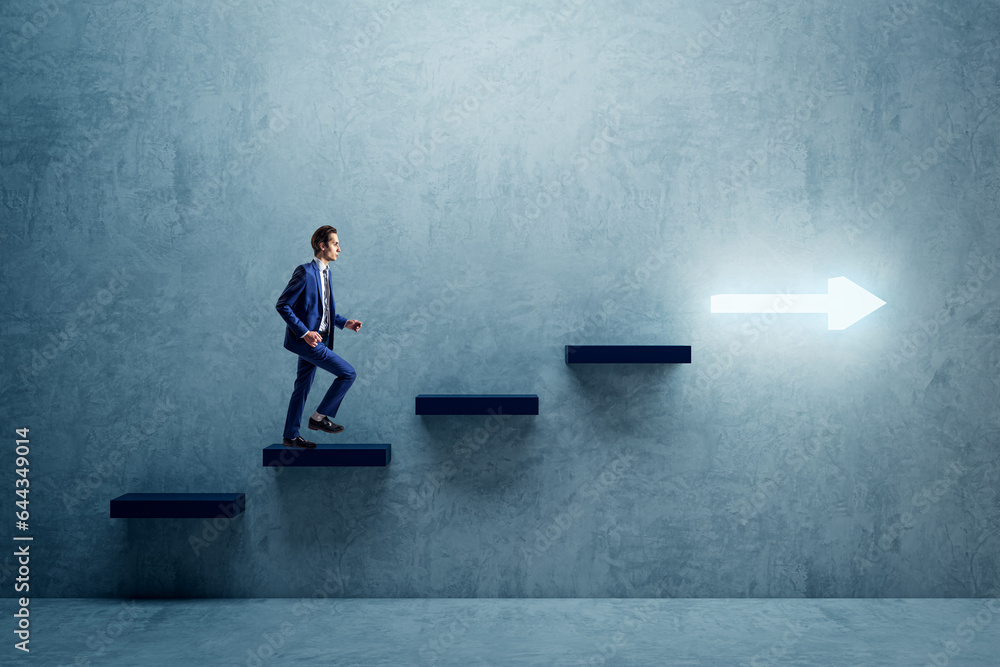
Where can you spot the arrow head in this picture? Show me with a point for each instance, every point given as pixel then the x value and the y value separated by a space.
pixel 848 303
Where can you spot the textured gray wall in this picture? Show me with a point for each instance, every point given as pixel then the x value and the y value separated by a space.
pixel 508 179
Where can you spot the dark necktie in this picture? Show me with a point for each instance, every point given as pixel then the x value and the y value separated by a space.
pixel 326 298
pixel 329 311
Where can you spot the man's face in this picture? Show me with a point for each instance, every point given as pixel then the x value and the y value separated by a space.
pixel 332 249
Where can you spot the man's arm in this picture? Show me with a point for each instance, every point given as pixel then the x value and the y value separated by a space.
pixel 288 297
pixel 339 321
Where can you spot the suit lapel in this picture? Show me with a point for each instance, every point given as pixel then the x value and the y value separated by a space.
pixel 319 289
pixel 318 276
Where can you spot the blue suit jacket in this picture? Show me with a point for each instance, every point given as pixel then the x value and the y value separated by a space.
pixel 301 306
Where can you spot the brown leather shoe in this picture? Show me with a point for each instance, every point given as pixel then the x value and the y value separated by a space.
pixel 299 441
pixel 325 425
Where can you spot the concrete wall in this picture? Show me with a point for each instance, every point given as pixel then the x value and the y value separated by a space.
pixel 507 179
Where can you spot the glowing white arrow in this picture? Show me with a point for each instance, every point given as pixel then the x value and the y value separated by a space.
pixel 844 303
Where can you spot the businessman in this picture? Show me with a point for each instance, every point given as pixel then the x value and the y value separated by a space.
pixel 308 309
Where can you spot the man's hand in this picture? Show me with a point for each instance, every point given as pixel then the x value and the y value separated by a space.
pixel 312 338
pixel 353 325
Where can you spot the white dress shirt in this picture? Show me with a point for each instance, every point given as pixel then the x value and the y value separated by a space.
pixel 324 276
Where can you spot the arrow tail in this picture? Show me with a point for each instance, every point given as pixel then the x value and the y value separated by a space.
pixel 770 303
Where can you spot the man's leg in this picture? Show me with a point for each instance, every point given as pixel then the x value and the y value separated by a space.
pixel 330 361
pixel 303 380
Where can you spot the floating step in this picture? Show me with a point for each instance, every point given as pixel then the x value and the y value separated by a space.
pixel 328 455
pixel 477 404
pixel 177 505
pixel 628 354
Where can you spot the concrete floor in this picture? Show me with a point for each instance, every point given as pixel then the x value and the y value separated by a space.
pixel 259 632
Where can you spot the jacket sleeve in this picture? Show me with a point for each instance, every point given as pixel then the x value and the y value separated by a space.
pixel 339 321
pixel 288 297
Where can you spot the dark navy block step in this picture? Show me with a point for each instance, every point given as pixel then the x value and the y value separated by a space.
pixel 628 354
pixel 477 404
pixel 177 505
pixel 328 455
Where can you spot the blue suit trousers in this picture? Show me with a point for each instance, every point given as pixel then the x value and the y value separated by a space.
pixel 309 359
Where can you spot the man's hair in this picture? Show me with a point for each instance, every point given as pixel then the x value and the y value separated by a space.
pixel 322 235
